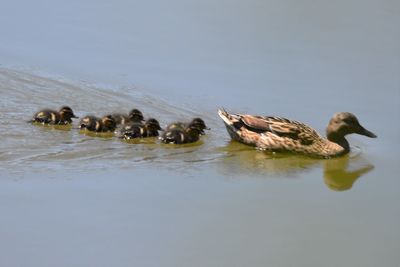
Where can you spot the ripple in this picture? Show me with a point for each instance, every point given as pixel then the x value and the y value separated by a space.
pixel 62 147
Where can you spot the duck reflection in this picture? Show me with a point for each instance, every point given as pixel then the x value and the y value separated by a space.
pixel 50 127
pixel 339 173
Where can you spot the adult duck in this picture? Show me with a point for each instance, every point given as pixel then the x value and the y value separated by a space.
pixel 281 134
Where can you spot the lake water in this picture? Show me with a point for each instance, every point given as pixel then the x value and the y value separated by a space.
pixel 68 199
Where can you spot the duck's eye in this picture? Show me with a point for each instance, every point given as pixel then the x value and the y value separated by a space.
pixel 349 120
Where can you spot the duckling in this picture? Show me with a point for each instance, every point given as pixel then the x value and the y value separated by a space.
pixel 134 115
pixel 90 123
pixel 108 124
pixel 281 134
pixel 199 124
pixel 136 130
pixel 48 116
pixel 196 122
pixel 94 124
pixel 152 127
pixel 186 135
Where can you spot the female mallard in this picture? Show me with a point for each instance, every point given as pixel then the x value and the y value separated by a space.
pixel 280 134
pixel 175 135
pixel 94 124
pixel 196 123
pixel 134 115
pixel 48 116
pixel 137 130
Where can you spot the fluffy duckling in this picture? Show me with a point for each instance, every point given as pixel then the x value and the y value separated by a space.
pixel 48 116
pixel 89 123
pixel 196 123
pixel 108 124
pixel 175 135
pixel 152 127
pixel 137 130
pixel 134 115
pixel 94 124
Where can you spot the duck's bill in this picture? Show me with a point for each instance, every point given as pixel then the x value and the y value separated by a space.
pixel 365 132
pixel 76 117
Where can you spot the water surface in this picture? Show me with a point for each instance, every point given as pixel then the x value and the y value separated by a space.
pixel 69 199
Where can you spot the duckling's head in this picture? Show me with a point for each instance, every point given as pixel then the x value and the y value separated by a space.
pixel 344 123
pixel 109 123
pixel 199 124
pixel 153 124
pixel 66 113
pixel 136 115
pixel 194 130
pixel 88 122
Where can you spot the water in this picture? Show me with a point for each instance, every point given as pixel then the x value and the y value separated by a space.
pixel 69 199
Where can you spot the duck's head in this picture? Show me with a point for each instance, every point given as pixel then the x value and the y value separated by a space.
pixel 194 130
pixel 344 123
pixel 66 113
pixel 199 124
pixel 87 122
pixel 153 125
pixel 109 123
pixel 136 115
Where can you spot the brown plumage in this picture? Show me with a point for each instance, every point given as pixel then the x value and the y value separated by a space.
pixel 195 123
pixel 94 124
pixel 281 134
pixel 185 135
pixel 49 116
pixel 139 130
pixel 134 115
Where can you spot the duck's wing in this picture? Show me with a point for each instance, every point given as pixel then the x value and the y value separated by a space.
pixel 281 127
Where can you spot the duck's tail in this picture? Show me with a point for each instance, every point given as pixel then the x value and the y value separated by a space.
pixel 232 123
pixel 228 118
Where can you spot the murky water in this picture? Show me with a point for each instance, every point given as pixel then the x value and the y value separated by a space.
pixel 70 199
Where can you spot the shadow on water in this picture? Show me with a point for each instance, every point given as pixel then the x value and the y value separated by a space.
pixel 105 135
pixel 49 127
pixel 339 174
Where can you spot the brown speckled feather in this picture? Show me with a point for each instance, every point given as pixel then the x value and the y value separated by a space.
pixel 281 127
